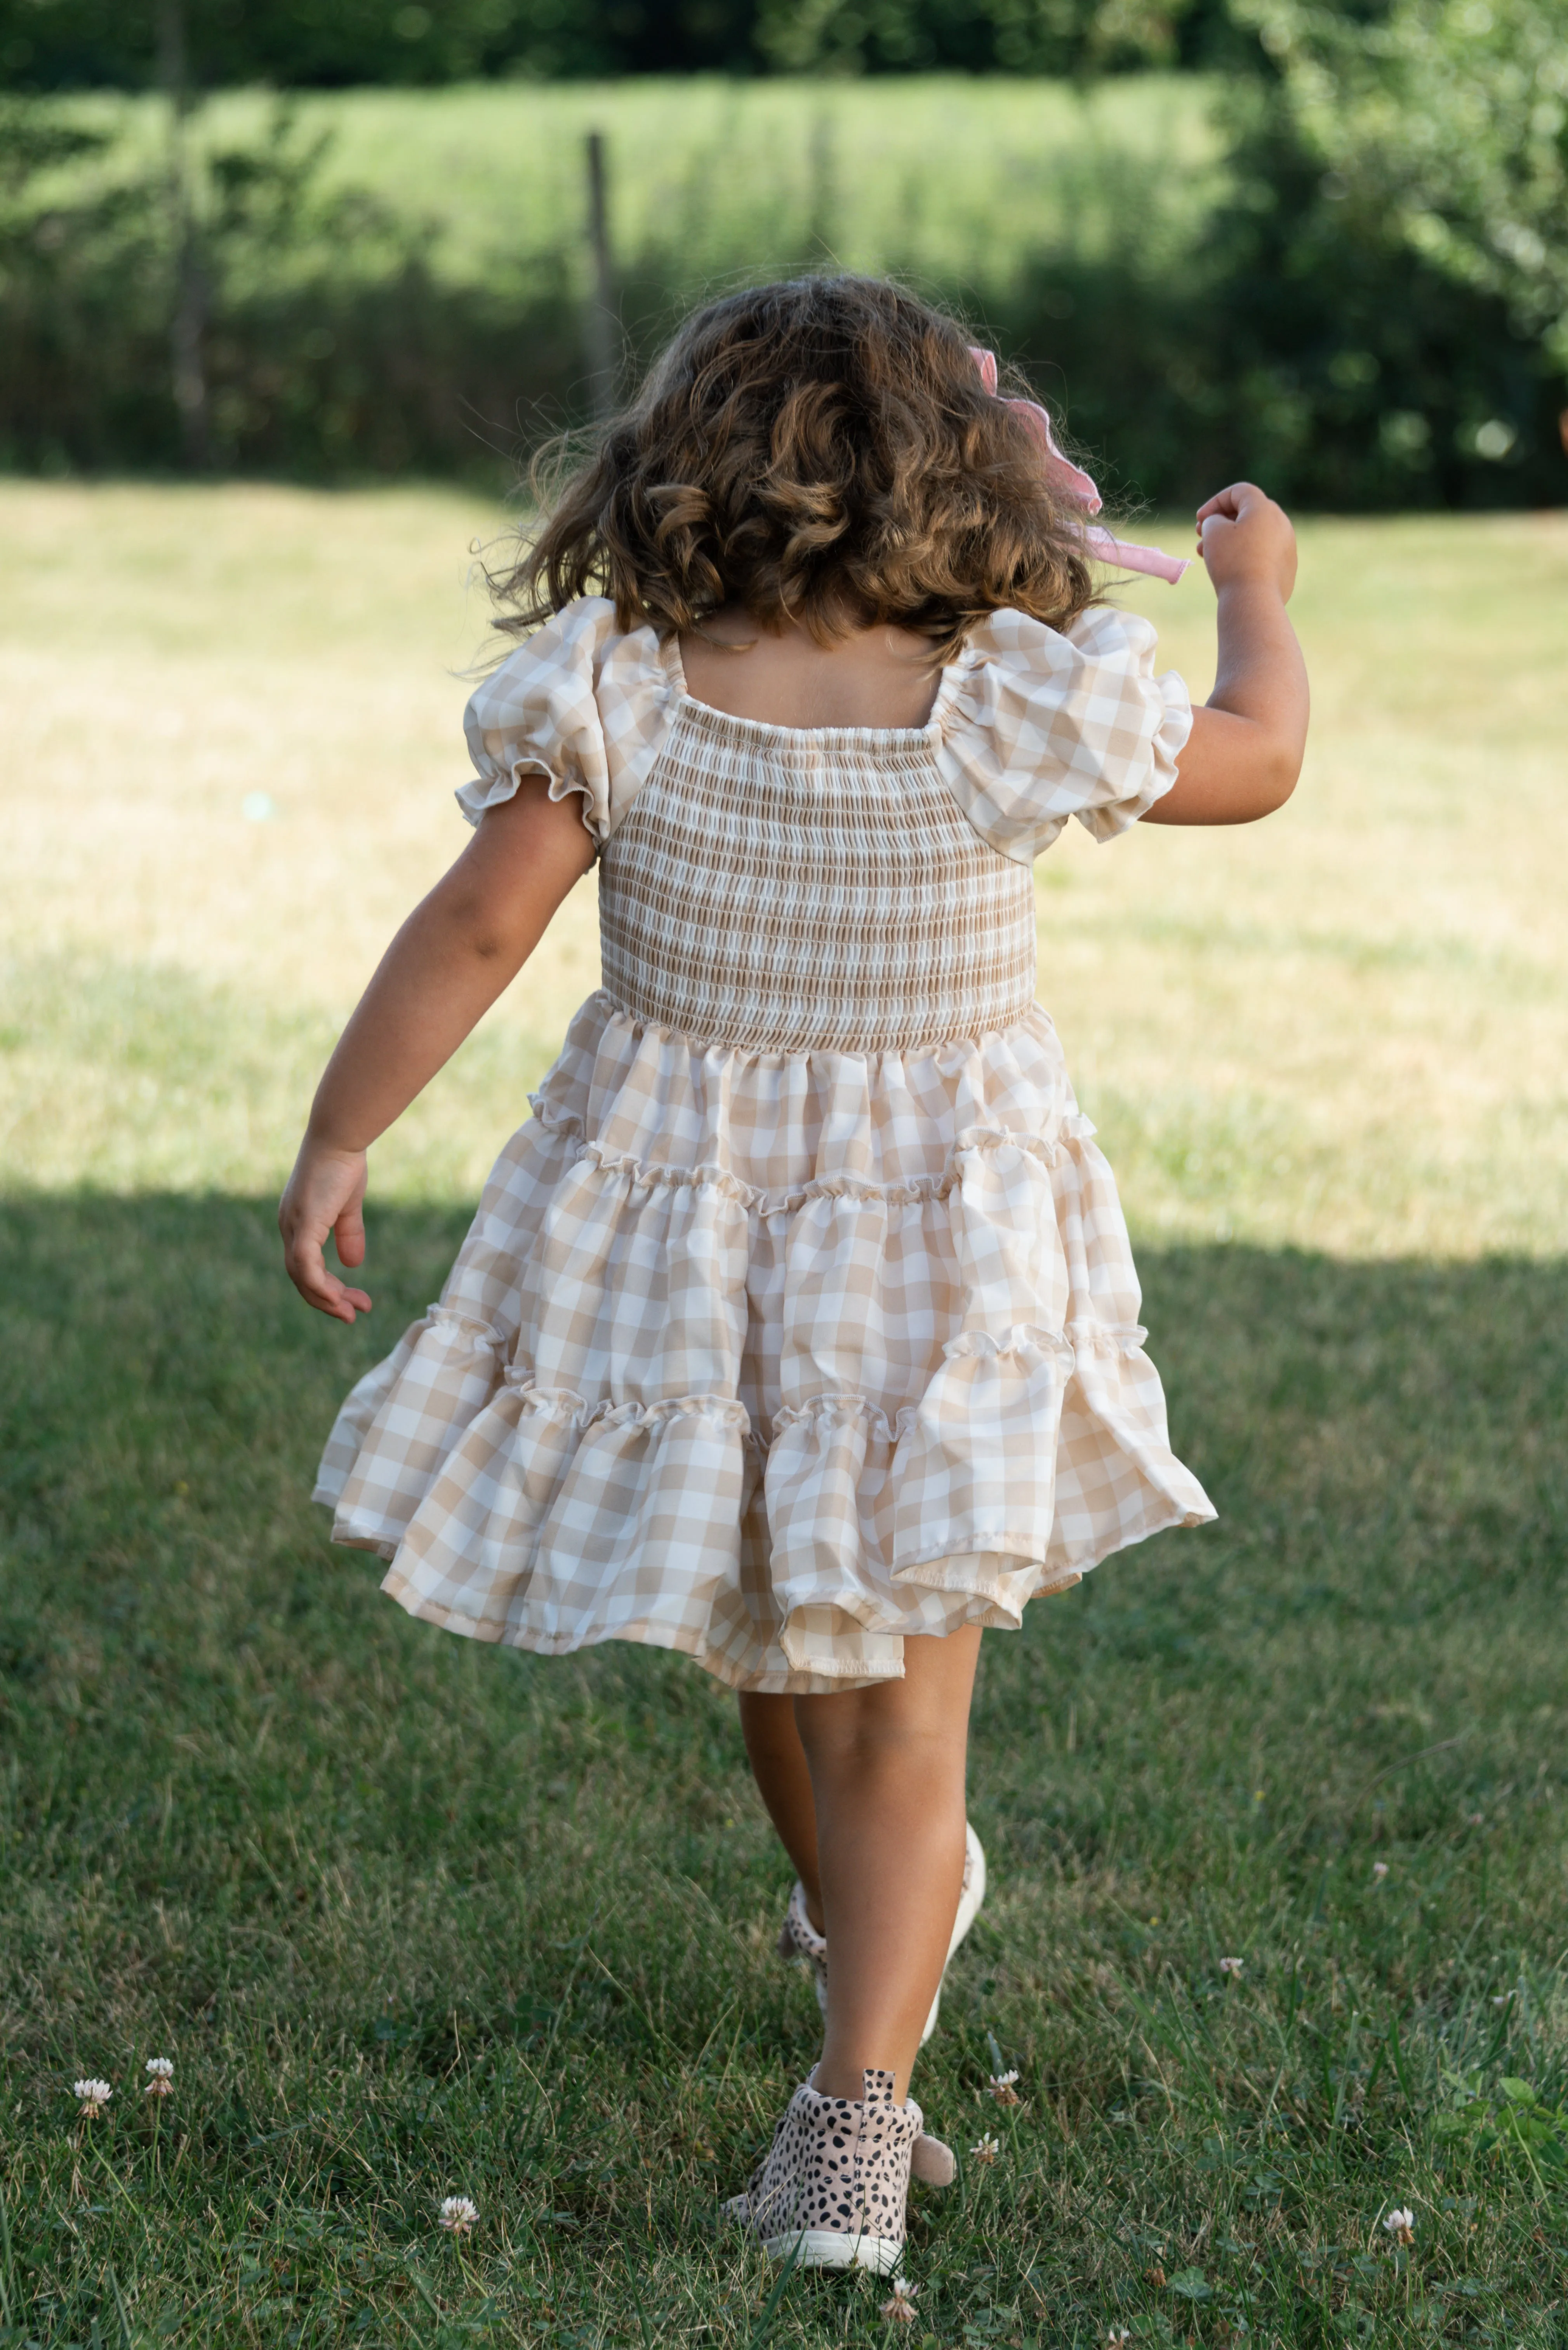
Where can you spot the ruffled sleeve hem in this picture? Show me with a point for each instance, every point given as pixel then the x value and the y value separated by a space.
pixel 578 704
pixel 495 789
pixel 1044 724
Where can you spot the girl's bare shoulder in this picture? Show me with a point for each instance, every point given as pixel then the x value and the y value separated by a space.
pixel 879 677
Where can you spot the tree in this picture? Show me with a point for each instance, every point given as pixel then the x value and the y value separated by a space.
pixel 294 44
pixel 1022 36
pixel 1449 120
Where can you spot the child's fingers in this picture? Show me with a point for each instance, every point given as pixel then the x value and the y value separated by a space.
pixel 308 1269
pixel 1230 504
pixel 349 1232
pixel 325 1195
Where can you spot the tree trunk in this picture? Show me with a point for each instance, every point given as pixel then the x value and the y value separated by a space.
pixel 188 320
pixel 602 327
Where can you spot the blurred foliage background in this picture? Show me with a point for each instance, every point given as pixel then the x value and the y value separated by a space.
pixel 1322 245
pixel 70 44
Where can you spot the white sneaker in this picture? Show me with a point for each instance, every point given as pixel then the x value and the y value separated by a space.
pixel 798 1938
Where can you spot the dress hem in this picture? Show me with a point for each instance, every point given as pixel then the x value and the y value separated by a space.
pixel 993 1611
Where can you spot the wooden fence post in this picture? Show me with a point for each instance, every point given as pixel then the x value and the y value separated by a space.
pixel 819 233
pixel 602 327
pixel 188 324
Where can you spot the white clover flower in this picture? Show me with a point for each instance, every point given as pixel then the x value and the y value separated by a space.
pixel 1401 2226
pixel 1230 1966
pixel 899 2310
pixel 1379 1871
pixel 93 2096
pixel 1116 2336
pixel 457 2215
pixel 162 2069
pixel 986 2148
pixel 1001 2087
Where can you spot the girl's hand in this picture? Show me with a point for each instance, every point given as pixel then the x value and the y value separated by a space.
pixel 449 963
pixel 326 1194
pixel 1246 540
pixel 1244 753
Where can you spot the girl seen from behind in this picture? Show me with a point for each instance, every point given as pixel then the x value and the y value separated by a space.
pixel 797 1329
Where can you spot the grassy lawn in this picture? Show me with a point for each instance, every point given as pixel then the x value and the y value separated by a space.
pixel 413 1918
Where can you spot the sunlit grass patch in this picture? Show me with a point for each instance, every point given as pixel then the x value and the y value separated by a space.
pixel 1347 1028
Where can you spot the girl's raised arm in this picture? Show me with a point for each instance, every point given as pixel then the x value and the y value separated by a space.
pixel 459 949
pixel 1244 753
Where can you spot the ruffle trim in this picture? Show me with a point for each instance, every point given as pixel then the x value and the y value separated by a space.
pixel 1074 1127
pixel 555 1474
pixel 1165 745
pixel 500 783
pixel 570 1410
pixel 564 1406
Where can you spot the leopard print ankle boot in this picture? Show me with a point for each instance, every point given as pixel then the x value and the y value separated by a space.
pixel 831 2187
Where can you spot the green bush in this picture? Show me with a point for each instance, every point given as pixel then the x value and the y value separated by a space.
pixel 1447 122
pixel 1291 330
pixel 1311 347
pixel 331 347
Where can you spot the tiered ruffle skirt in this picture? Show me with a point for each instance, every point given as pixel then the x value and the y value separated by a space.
pixel 775 1359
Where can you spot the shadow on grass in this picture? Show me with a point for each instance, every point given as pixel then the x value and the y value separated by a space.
pixel 382 1888
pixel 1383 1441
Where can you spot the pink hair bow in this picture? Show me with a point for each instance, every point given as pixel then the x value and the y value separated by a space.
pixel 1124 552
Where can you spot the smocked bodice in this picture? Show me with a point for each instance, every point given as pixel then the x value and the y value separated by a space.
pixel 778 890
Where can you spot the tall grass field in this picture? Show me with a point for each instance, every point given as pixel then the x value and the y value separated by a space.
pixel 950 178
pixel 1275 1811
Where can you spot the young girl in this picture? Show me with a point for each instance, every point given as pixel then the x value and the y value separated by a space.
pixel 797 1329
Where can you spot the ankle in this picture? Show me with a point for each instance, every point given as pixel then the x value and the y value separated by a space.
pixel 834 2079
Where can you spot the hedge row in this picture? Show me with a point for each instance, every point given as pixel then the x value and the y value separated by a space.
pixel 1298 345
pixel 52 45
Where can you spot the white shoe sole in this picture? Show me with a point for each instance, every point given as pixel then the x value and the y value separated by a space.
pixel 969 1909
pixel 825 2248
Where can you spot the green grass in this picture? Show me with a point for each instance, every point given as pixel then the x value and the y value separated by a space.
pixel 414 1917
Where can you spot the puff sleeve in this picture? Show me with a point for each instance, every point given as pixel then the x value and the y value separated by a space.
pixel 1044 724
pixel 576 702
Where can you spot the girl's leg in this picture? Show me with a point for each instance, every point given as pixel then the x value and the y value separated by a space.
pixel 887 1771
pixel 879 1773
pixel 784 1781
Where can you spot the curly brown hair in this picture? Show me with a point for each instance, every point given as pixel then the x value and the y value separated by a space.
pixel 823 451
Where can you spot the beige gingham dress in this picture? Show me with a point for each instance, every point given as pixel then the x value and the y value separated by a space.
pixel 800 1316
